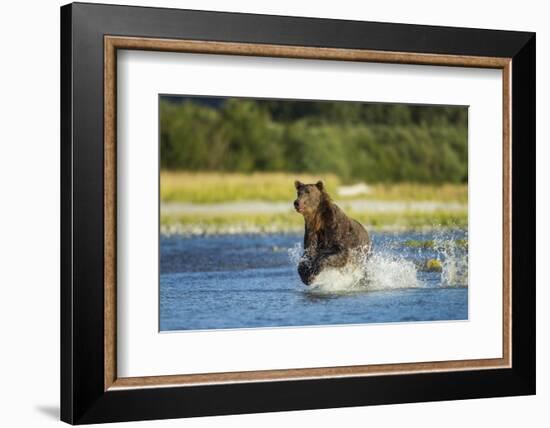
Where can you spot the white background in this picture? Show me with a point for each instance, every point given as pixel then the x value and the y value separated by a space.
pixel 142 351
pixel 29 226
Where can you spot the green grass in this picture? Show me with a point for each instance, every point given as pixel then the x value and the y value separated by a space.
pixel 413 219
pixel 212 187
pixel 410 192
pixel 430 243
pixel 292 222
pixel 205 187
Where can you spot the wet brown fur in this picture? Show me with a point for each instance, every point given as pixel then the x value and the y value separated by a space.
pixel 330 235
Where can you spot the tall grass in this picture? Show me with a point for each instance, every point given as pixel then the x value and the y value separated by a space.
pixel 213 187
pixel 207 187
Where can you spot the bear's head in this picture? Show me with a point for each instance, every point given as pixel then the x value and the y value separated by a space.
pixel 309 197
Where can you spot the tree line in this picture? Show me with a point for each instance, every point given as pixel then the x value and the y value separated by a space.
pixel 356 141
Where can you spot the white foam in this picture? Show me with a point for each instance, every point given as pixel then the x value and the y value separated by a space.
pixel 455 265
pixel 345 280
pixel 364 272
pixel 295 254
pixel 384 270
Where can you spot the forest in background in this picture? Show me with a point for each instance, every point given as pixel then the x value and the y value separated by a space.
pixel 373 143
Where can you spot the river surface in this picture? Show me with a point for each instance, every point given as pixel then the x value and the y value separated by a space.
pixel 250 281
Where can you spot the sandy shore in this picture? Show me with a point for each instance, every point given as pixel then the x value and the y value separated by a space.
pixel 262 207
pixel 251 217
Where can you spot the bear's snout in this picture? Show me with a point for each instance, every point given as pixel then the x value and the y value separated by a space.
pixel 297 205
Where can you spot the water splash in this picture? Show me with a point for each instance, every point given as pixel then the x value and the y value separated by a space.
pixel 366 271
pixel 384 269
pixel 454 257
pixel 384 272
pixel 339 281
pixel 295 254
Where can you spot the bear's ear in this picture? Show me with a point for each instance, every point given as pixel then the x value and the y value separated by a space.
pixel 298 184
pixel 320 185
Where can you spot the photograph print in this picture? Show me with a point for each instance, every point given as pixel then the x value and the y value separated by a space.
pixel 295 213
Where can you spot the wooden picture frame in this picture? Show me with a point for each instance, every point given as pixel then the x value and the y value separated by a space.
pixel 91 390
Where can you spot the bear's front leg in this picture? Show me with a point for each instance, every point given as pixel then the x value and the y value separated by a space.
pixel 310 267
pixel 306 271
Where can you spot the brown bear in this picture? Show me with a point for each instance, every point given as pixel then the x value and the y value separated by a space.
pixel 330 236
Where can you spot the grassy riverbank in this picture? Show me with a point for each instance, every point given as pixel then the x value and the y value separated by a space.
pixel 202 189
pixel 292 222
pixel 207 187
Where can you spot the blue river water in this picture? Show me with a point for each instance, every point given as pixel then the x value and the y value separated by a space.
pixel 250 281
